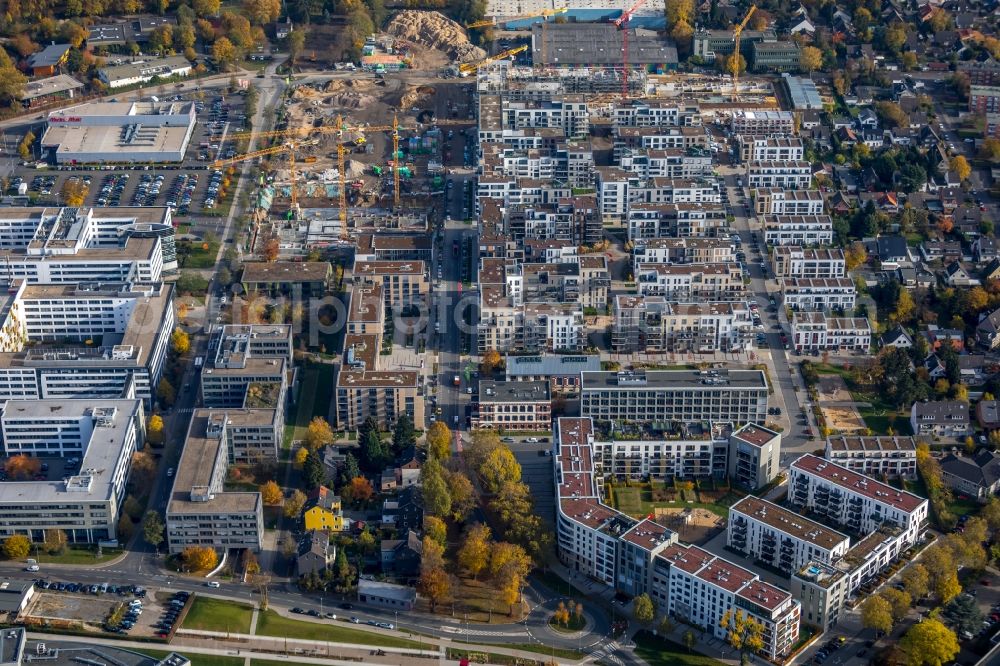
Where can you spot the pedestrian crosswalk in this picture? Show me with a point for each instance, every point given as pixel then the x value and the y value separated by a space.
pixel 606 653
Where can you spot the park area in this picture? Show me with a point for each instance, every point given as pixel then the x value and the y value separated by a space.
pixel 218 615
pixel 314 396
pixel 695 513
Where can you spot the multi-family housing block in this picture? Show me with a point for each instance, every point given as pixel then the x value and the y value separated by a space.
pixel 798 230
pixel 657 324
pixel 755 149
pixel 814 331
pixel 685 250
pixel 779 201
pixel 691 282
pixel 762 123
pixel 793 261
pixel 649 221
pixel 788 174
pixel 888 456
pixel 819 294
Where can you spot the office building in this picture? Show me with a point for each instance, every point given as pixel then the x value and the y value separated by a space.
pixel 200 511
pixel 708 44
pixel 251 435
pixel 562 372
pixel 774 56
pixel 512 406
pixel 88 446
pixel 737 396
pixel 249 368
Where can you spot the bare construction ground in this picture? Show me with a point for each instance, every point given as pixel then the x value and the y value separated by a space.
pixel 835 401
pixel 694 525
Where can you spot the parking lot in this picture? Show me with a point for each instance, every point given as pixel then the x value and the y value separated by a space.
pixel 190 188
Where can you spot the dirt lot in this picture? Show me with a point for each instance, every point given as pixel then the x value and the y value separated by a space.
pixel 694 525
pixel 841 419
pixel 90 611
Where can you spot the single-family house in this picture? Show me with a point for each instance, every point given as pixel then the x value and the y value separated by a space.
pixel 956 275
pixel 315 553
pixel 896 337
pixel 985 248
pixel 323 511
pixel 977 475
pixel 988 331
pixel 937 337
pixel 402 556
pixel 892 252
pixel 988 414
pixel 404 511
pixel 941 418
pixel 48 61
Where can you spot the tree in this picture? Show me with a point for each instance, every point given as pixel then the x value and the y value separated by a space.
pixel 270 493
pixel 143 469
pixel 21 467
pixel 948 587
pixel 433 489
pixel 929 643
pixel 132 507
pixel 963 614
pixel 74 192
pixel 876 614
pixel 909 60
pixel 205 8
pixel 262 12
pixel 491 361
pixel 899 602
pixel 359 490
pixel 318 433
pixel 24 148
pixel 483 441
pixel 643 609
pixel 125 528
pixel 16 547
pixel 961 167
pixel 367 541
pixel 191 283
pixel 518 522
pixel 939 20
pixel 200 558
pixel 733 61
pixel 23 45
pixel 165 392
pixel 294 504
pixel 180 343
pixel 678 11
pixel 56 541
pixel 439 439
pixel 810 59
pixel 689 640
pixel 895 36
pixel 855 255
pixel 296 42
pixel 152 529
pixel 403 434
pixel 435 584
pixel 499 467
pixel 892 114
pixel 474 554
pixel 271 248
pixel 374 453
pixel 916 581
pixel 463 495
pixel 509 566
pixel 154 429
pixel 301 455
pixel 990 149
pixel 905 308
pixel 224 53
pixel 435 528
pixel 313 473
pixel 743 632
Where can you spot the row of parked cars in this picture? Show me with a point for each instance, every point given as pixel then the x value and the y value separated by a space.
pixel 170 614
pixel 181 191
pixel 128 620
pixel 214 183
pixel 91 588
pixel 830 647
pixel 112 188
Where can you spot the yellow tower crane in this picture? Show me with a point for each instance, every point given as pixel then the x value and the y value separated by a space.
pixel 735 64
pixel 467 68
pixel 544 15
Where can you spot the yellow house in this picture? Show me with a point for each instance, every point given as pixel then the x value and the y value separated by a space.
pixel 323 511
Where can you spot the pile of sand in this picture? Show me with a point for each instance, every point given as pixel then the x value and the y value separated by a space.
pixel 349 94
pixel 415 94
pixel 435 31
pixel 354 169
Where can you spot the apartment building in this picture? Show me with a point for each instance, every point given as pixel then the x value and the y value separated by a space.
pixel 737 396
pixel 762 123
pixel 511 406
pixel 379 394
pixel 574 220
pixel 113 340
pixel 249 367
pixel 567 112
pixel 688 451
pixel 366 314
pixel 584 280
pixel 984 99
pixel 550 327
pixel 296 279
pixel 941 418
pixel 788 174
pixel 201 512
pixel 877 455
pixel 794 261
pixel 677 163
pixel 88 445
pixel 691 282
pixel 390 246
pixel 655 113
pixel 814 331
pixel 561 371
pixel 779 201
pixel 854 501
pixel 783 539
pixel 754 456
pixel 798 230
pixel 819 294
pixel 404 283
pixel 756 149
pixel 656 138
pixel 618 189
pixel 648 221
pixel 655 324
pixel 70 245
pixel 685 250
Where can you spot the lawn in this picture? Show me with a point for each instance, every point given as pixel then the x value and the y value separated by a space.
pixel 638 501
pixel 79 556
pixel 196 659
pixel 315 393
pixel 655 651
pixel 197 254
pixel 271 624
pixel 218 615
pixel 562 653
pixel 557 584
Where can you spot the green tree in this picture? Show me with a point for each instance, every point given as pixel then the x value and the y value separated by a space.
pixel 313 473
pixel 403 434
pixel 434 489
pixel 929 643
pixel 296 42
pixel 643 609
pixel 152 529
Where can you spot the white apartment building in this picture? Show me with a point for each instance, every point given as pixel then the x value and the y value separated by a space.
pixel 668 163
pixel 685 250
pixel 777 148
pixel 88 444
pixel 783 539
pixel 763 123
pixel 618 189
pixel 875 455
pixel 819 294
pixel 815 331
pixel 655 113
pixel 779 201
pixel 657 138
pixel 654 324
pixel 788 174
pixel 794 261
pixel 69 245
pixel 798 230
pixel 648 221
pixel 200 511
pixel 568 113
pixel 696 450
pixel 857 502
pixel 754 456
pixel 691 282
pixel 737 396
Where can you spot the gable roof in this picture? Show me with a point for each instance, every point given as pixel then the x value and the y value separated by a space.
pixel 892 247
pixel 894 335
pixel 982 468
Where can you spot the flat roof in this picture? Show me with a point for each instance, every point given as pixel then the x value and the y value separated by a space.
pixel 790 522
pixel 598 44
pixel 285 271
pixel 726 575
pixel 366 304
pixel 764 594
pixel 863 444
pixel 858 483
pixel 755 435
pixel 386 590
pixel 648 534
pixel 349 379
pixel 389 267
pixel 49 86
pixel 690 559
pixel 493 391
pixel 551 365
pixel 726 380
pixel 100 139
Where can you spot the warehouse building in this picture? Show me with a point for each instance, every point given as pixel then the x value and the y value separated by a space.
pixel 120 132
pixel 88 445
pixel 590 45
